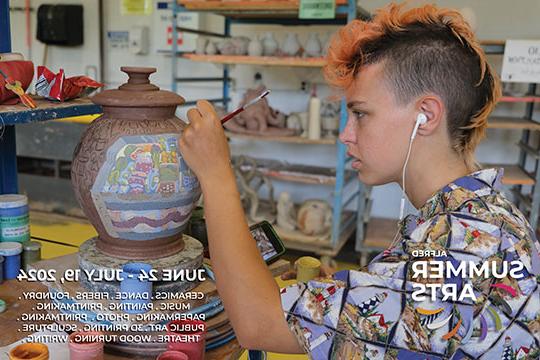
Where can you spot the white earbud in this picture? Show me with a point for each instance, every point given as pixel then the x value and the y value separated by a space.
pixel 421 119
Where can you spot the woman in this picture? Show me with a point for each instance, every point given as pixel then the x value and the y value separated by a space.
pixel 419 91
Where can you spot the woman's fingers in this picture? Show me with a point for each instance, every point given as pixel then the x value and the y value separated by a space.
pixel 207 110
pixel 289 275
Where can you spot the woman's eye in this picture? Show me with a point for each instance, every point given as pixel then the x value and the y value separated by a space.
pixel 357 114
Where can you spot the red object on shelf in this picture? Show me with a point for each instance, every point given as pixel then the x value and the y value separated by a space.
pixel 19 70
pixel 56 87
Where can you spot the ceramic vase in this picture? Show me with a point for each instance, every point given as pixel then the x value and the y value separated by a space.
pixel 291 46
pixel 128 174
pixel 255 47
pixel 172 355
pixel 313 46
pixel 270 44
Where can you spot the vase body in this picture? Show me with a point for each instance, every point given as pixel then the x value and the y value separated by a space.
pixel 128 174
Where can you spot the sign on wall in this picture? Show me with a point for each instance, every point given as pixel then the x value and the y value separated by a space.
pixel 521 61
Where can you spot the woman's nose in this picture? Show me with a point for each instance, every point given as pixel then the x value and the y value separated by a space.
pixel 348 134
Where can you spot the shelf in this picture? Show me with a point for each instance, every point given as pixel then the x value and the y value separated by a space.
pixel 520 99
pixel 314 175
pixel 495 122
pixel 285 139
pixel 493 46
pixel 47 110
pixel 245 5
pixel 379 234
pixel 513 174
pixel 257 60
pixel 295 240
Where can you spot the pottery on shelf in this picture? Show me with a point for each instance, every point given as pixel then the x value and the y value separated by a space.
pixel 200 45
pixel 255 47
pixel 314 217
pixel 291 46
pixel 313 46
pixel 286 214
pixel 211 48
pixel 270 45
pixel 128 174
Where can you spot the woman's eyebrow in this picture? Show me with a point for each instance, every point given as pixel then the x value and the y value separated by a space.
pixel 355 102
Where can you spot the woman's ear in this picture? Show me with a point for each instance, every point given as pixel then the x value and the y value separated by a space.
pixel 433 107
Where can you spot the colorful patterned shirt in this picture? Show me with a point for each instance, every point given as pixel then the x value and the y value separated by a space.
pixel 373 315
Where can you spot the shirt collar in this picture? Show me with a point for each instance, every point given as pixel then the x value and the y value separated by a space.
pixel 451 196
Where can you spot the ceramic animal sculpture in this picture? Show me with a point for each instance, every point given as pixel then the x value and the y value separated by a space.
pixel 286 215
pixel 250 180
pixel 315 217
pixel 259 119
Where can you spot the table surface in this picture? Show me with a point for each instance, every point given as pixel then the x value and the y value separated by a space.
pixel 12 290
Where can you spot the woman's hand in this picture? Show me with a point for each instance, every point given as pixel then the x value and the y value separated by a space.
pixel 203 144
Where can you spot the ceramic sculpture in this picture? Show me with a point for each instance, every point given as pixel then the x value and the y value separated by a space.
pixel 128 174
pixel 270 45
pixel 291 46
pixel 286 214
pixel 313 46
pixel 314 217
pixel 250 180
pixel 259 119
pixel 255 47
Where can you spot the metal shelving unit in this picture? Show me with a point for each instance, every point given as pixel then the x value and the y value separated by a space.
pixel 11 115
pixel 285 13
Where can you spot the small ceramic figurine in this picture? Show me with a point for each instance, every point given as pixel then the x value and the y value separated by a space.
pixel 291 46
pixel 330 118
pixel 295 122
pixel 211 48
pixel 315 217
pixel 241 44
pixel 200 46
pixel 286 215
pixel 250 180
pixel 313 46
pixel 255 47
pixel 270 44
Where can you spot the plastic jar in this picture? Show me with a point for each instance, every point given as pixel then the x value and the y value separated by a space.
pixel 11 251
pixel 31 253
pixel 14 221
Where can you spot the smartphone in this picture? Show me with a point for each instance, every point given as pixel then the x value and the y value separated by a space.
pixel 268 241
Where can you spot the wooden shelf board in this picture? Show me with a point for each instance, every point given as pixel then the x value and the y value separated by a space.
pixel 314 175
pixel 495 122
pixel 243 5
pixel 285 139
pixel 295 240
pixel 520 99
pixel 257 60
pixel 47 110
pixel 380 233
pixel 513 174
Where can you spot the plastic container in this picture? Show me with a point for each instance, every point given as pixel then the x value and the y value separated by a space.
pixel 194 348
pixel 173 355
pixel 31 253
pixel 1 269
pixel 136 293
pixel 30 351
pixel 82 346
pixel 11 251
pixel 14 223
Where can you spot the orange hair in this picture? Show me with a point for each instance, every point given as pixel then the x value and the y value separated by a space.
pixel 394 29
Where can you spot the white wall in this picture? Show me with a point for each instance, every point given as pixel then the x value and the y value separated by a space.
pixel 497 19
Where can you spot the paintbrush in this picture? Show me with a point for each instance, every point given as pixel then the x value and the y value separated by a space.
pixel 240 109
